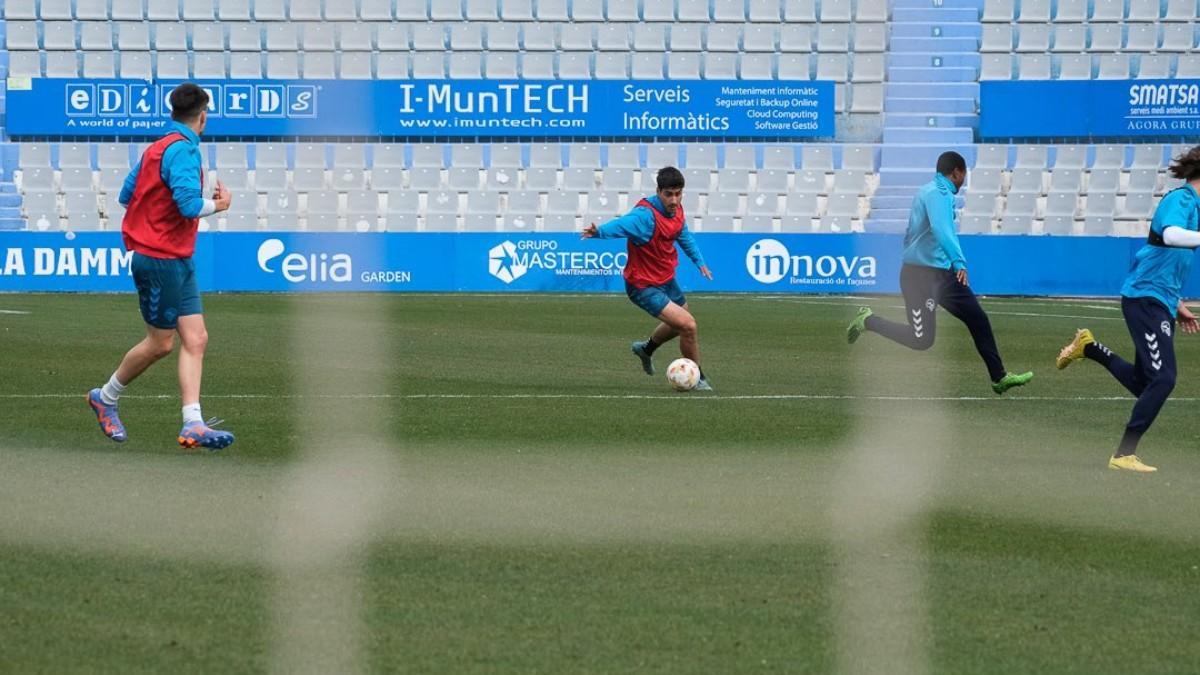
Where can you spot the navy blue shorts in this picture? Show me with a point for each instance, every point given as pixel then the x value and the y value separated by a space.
pixel 654 299
pixel 166 289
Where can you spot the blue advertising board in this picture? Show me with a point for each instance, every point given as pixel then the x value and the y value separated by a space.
pixel 1089 108
pixel 562 262
pixel 432 108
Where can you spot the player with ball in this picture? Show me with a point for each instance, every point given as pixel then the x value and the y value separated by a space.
pixel 652 229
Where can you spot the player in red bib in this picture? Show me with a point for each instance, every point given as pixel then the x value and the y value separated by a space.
pixel 652 229
pixel 164 201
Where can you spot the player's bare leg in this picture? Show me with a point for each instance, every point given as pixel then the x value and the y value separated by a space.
pixel 196 433
pixel 194 338
pixel 158 343
pixel 103 400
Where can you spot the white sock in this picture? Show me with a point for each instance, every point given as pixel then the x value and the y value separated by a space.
pixel 110 392
pixel 191 413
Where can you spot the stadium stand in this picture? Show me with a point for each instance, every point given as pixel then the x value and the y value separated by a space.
pixel 919 60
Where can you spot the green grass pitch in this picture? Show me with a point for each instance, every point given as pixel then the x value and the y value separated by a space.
pixel 544 507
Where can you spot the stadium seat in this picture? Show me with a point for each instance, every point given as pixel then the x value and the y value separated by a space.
pixel 833 37
pixel 1098 225
pixel 1105 38
pixel 1147 156
pixel 794 38
pixel 1143 180
pixel 1141 37
pixel 1071 11
pixel 985 180
pixel 1154 67
pixel 1015 224
pixel 1108 10
pixel 867 68
pixel 1103 181
pixel 1026 180
pixel 1075 67
pixel 1020 204
pixel 1034 11
pixel 772 180
pixel 1033 67
pixel 1136 206
pixel 1062 203
pixel 998 11
pixel 1066 180
pixel 1109 157
pixel 1180 10
pixel 979 204
pixel 868 98
pixel 1033 38
pixel 1070 38
pixel 1189 66
pixel 269 10
pixel 1058 225
pixel 739 156
pixel 997 38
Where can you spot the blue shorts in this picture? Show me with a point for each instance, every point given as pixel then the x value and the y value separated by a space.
pixel 654 299
pixel 166 289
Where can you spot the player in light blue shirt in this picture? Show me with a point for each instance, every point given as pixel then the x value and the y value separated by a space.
pixel 935 274
pixel 1152 304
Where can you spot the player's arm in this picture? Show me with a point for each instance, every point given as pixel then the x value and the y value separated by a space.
pixel 688 243
pixel 941 223
pixel 637 226
pixel 130 184
pixel 181 172
pixel 1187 320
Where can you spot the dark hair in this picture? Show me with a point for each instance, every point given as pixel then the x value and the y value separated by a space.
pixel 670 178
pixel 950 161
pixel 187 101
pixel 1187 165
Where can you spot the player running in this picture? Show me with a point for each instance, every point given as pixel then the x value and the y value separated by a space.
pixel 1150 302
pixel 164 202
pixel 935 273
pixel 652 229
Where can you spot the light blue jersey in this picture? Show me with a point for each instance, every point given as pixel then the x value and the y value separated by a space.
pixel 638 227
pixel 931 240
pixel 180 170
pixel 1159 272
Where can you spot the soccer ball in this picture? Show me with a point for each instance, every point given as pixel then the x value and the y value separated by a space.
pixel 683 374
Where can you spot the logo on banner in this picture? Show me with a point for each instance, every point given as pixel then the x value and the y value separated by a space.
pixel 508 261
pixel 504 264
pixel 769 261
pixel 45 261
pixel 298 268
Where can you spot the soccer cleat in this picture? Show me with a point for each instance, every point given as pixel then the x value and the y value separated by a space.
pixel 639 350
pixel 859 325
pixel 202 435
pixel 1011 380
pixel 1074 350
pixel 703 385
pixel 106 415
pixel 1130 463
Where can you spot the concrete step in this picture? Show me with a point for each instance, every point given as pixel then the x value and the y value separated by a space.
pixel 901 182
pixel 951 135
pixel 894 214
pixel 944 45
pixel 899 104
pixel 902 191
pixel 934 60
pixel 10 200
pixel 878 226
pixel 929 120
pixel 895 203
pixel 917 157
pixel 8 224
pixel 935 15
pixel 932 90
pixel 928 74
pixel 976 5
pixel 936 30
